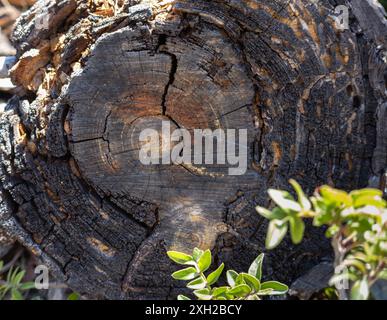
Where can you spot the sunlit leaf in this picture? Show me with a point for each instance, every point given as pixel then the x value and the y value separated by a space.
pixel 240 290
pixel 367 192
pixel 273 288
pixel 276 213
pixel 256 267
pixel 240 280
pixel 197 284
pixel 251 281
pixel 197 253
pixel 284 200
pixel 335 195
pixel 332 231
pixel 185 274
pixel 302 199
pixel 360 290
pixel 205 261
pixel 214 276
pixel 218 291
pixel 203 294
pixel 375 201
pixel 354 263
pixel 324 212
pixel 179 257
pixel 297 228
pixel 275 233
pixel 231 277
pixel 383 275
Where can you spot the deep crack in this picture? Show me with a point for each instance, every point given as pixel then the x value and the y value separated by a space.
pixel 172 73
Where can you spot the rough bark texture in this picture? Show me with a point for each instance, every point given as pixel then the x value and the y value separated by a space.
pixel 312 97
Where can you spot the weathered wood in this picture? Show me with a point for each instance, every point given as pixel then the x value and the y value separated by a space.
pixel 92 75
pixel 313 282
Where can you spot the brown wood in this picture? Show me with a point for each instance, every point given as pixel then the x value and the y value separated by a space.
pixel 311 96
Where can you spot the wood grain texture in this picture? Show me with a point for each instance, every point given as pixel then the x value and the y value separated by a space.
pixel 312 98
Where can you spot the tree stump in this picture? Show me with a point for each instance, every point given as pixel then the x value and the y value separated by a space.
pixel 92 74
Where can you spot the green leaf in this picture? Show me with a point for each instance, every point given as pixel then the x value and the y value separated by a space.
pixel 240 290
pixel 383 247
pixel 251 281
pixel 367 192
pixel 239 280
pixel 185 274
pixel 297 228
pixel 302 199
pixel 182 297
pixel 214 276
pixel 197 253
pixel 273 288
pixel 179 257
pixel 265 292
pixel 335 195
pixel 1 265
pixel 18 277
pixel 332 231
pixel 231 277
pixel 219 291
pixel 73 296
pixel 275 233
pixel 360 290
pixel 197 284
pixel 16 295
pixel 284 200
pixel 276 213
pixel 203 294
pixel 324 212
pixel 27 286
pixel 360 265
pixel 375 201
pixel 256 267
pixel 205 261
pixel 383 275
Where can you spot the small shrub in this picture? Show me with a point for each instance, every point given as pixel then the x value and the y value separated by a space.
pixel 357 225
pixel 241 286
pixel 13 287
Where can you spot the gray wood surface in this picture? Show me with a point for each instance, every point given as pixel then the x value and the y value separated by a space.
pixel 312 97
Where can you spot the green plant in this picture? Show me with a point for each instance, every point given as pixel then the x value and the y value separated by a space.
pixel 241 286
pixel 12 286
pixel 357 225
pixel 73 296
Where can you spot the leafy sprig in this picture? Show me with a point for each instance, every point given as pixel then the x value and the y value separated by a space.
pixel 12 286
pixel 357 225
pixel 240 286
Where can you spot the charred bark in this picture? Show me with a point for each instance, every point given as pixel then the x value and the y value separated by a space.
pixel 91 77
